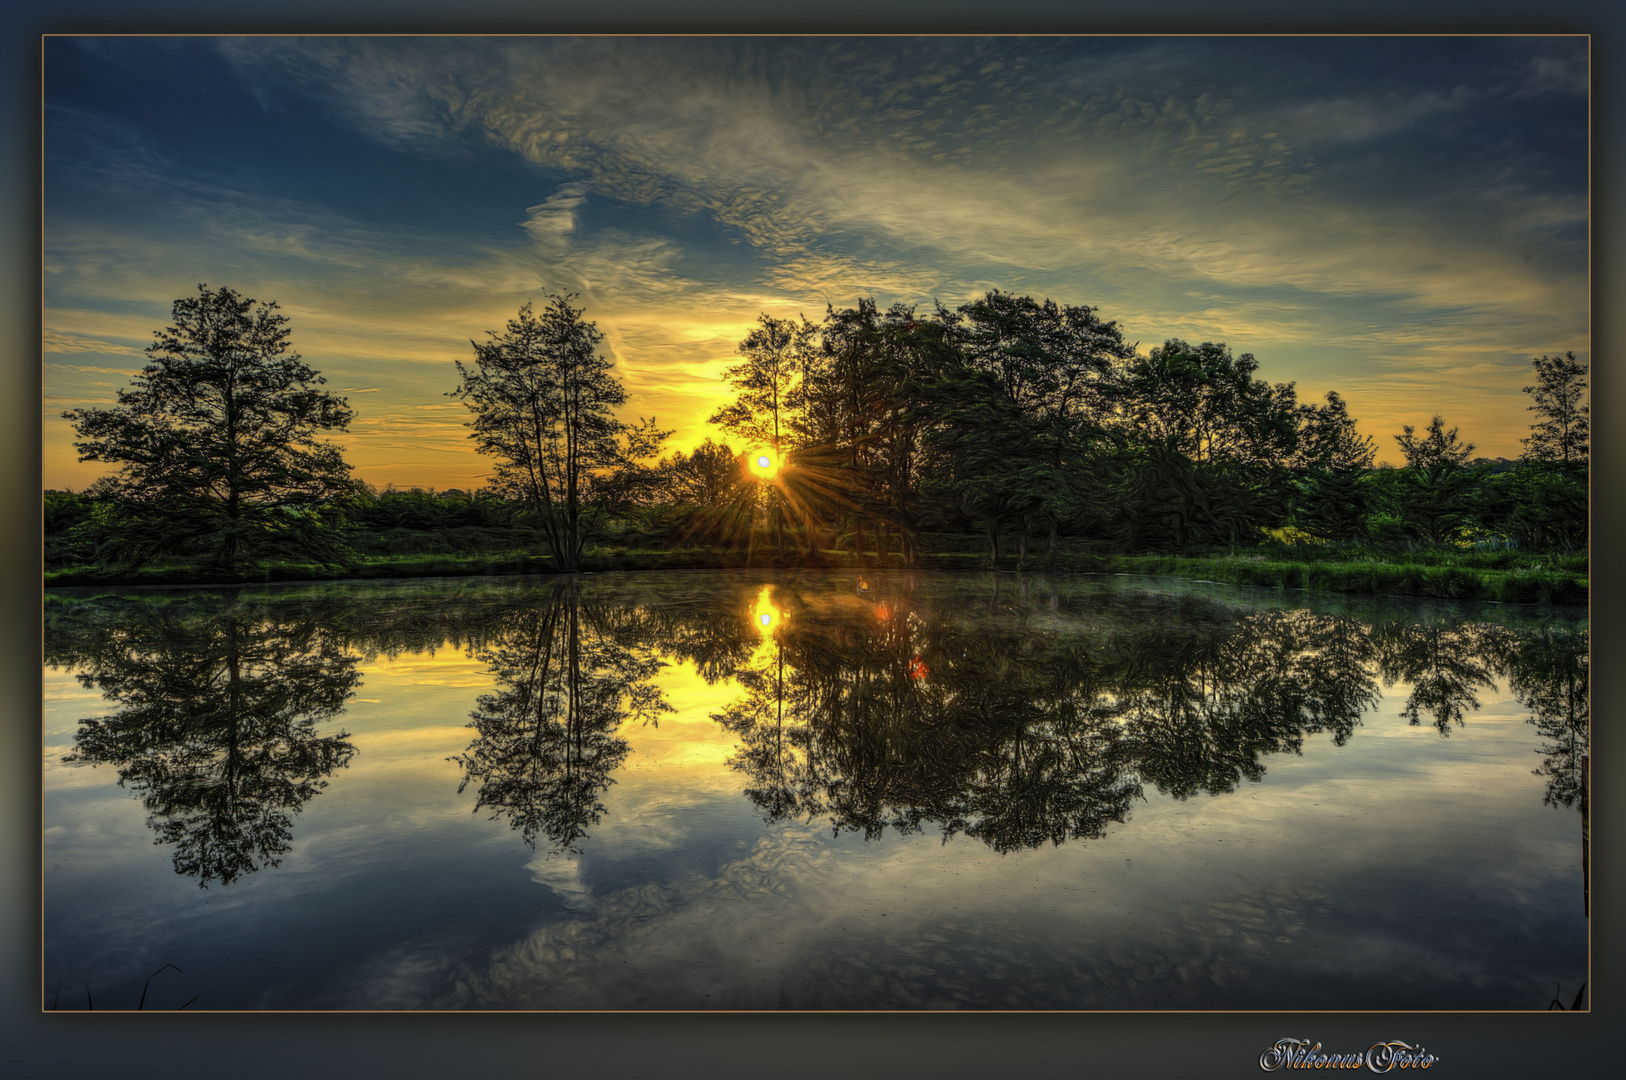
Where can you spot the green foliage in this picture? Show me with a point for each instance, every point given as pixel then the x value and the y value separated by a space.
pixel 1434 489
pixel 777 352
pixel 1387 532
pixel 1536 506
pixel 543 403
pixel 218 442
pixel 1561 432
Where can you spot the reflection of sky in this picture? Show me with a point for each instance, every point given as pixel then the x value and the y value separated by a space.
pixel 1401 220
pixel 1403 870
pixel 1378 875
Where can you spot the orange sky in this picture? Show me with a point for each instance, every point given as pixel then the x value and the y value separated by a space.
pixel 1403 221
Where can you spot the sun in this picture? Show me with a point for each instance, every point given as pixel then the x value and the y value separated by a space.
pixel 764 464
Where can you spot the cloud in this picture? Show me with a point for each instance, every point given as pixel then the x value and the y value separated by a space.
pixel 551 221
pixel 54 341
pixel 1553 74
pixel 684 185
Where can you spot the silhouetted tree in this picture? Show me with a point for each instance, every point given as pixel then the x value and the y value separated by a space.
pixel 777 353
pixel 702 478
pixel 1331 459
pixel 1199 404
pixel 1204 403
pixel 544 405
pixel 218 443
pixel 1433 487
pixel 1051 360
pixel 1561 431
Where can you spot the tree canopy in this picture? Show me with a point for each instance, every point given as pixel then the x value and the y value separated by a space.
pixel 1561 432
pixel 543 402
pixel 219 440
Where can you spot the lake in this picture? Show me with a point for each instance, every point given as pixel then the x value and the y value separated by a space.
pixel 760 790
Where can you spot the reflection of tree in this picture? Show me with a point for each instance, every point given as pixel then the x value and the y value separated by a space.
pixel 1203 707
pixel 547 738
pixel 217 733
pixel 1016 713
pixel 767 751
pixel 1029 717
pixel 1548 674
pixel 1444 661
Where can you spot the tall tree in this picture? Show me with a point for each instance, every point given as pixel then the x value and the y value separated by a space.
pixel 776 353
pixel 1562 431
pixel 1331 459
pixel 219 441
pixel 1434 485
pixel 1198 404
pixel 1202 402
pixel 544 405
pixel 1050 359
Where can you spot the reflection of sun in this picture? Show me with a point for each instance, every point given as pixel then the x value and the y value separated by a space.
pixel 764 616
pixel 764 465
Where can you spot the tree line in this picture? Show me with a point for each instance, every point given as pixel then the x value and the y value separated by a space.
pixel 1027 423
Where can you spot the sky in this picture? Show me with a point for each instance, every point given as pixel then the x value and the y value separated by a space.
pixel 1402 220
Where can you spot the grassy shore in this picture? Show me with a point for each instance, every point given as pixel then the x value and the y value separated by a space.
pixel 1506 577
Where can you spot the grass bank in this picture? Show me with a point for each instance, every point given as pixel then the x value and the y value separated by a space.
pixel 1503 577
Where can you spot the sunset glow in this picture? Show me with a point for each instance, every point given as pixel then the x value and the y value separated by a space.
pixel 765 615
pixel 1401 220
pixel 763 465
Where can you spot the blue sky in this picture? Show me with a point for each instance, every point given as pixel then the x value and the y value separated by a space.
pixel 1401 219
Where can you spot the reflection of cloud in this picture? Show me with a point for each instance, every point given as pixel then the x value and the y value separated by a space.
pixel 560 873
pixel 1200 904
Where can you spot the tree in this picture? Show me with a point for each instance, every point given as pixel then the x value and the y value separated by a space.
pixel 1051 360
pixel 219 440
pixel 1199 404
pixel 1331 459
pixel 776 353
pixel 1200 401
pixel 703 478
pixel 1561 434
pixel 1434 486
pixel 543 401
pixel 1438 451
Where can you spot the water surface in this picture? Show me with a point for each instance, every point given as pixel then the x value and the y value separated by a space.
pixel 756 791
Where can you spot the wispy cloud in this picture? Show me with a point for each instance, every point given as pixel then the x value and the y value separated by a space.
pixel 1334 214
pixel 53 341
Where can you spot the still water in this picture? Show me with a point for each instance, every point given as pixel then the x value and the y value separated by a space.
pixel 813 791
